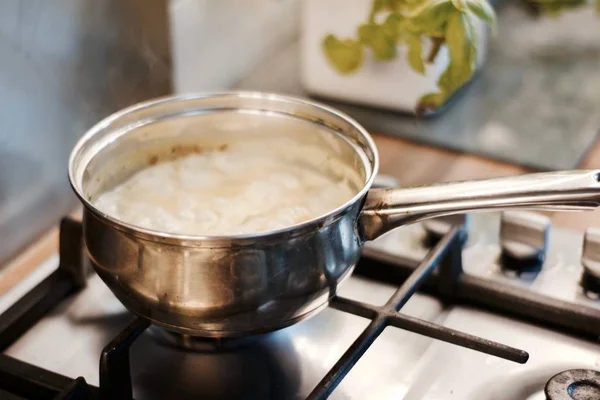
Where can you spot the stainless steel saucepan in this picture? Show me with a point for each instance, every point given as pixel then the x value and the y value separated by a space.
pixel 220 286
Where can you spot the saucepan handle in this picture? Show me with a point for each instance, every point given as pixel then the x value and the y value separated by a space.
pixel 386 209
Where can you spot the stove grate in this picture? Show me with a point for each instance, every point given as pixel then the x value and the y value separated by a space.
pixel 69 277
pixel 115 374
pixel 23 380
pixel 445 256
pixel 491 295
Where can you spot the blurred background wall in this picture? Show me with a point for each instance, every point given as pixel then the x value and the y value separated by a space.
pixel 65 64
pixel 216 43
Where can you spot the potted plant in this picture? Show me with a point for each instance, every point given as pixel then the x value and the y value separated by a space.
pixel 406 55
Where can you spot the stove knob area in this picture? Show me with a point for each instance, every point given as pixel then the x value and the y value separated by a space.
pixel 590 259
pixel 436 228
pixel 524 239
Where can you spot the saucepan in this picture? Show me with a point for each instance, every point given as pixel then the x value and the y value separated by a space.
pixel 226 286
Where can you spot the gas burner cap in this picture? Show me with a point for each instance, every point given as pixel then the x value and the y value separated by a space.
pixel 201 344
pixel 574 384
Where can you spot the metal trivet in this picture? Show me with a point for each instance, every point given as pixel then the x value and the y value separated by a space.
pixel 491 295
pixel 18 378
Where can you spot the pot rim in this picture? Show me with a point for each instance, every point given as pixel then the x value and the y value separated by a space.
pixel 191 240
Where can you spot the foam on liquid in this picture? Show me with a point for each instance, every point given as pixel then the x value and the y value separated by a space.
pixel 223 193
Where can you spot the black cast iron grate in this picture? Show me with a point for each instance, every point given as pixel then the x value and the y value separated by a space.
pixel 22 380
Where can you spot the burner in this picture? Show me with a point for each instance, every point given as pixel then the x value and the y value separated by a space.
pixel 574 384
pixel 201 344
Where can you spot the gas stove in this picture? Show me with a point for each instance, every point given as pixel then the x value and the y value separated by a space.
pixel 507 308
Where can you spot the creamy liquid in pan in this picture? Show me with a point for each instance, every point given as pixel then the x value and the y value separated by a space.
pixel 223 193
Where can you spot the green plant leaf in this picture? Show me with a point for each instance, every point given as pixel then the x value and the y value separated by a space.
pixel 460 5
pixel 394 25
pixel 415 51
pixel 345 55
pixel 462 48
pixel 461 43
pixel 376 37
pixel 445 22
pixel 431 17
pixel 483 10
pixel 386 5
pixel 598 6
pixel 398 5
pixel 430 101
pixel 378 5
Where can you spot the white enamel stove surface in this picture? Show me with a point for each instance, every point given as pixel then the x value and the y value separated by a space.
pixel 289 363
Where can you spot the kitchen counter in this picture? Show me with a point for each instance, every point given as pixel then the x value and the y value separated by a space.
pixel 411 163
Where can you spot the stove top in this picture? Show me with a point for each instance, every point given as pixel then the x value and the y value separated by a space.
pixel 501 313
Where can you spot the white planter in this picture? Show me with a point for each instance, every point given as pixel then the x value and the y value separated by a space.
pixel 215 43
pixel 391 84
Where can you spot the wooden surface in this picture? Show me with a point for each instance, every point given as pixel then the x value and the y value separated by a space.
pixel 41 248
pixel 411 163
